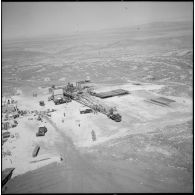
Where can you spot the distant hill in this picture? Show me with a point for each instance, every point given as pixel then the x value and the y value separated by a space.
pixel 154 26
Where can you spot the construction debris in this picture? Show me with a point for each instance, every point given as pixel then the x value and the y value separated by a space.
pixel 9 108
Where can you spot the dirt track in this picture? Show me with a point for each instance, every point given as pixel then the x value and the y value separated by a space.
pixel 83 173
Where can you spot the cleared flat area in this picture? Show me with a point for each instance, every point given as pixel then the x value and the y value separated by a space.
pixel 150 150
pixel 130 156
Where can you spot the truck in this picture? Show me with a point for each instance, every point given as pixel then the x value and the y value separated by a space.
pixel 61 100
pixel 41 131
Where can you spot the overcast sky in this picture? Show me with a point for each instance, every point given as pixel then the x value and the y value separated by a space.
pixel 27 19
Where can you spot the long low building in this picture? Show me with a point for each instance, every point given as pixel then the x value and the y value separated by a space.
pixel 162 101
pixel 111 93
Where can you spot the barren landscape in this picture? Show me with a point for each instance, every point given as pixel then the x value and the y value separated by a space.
pixel 150 150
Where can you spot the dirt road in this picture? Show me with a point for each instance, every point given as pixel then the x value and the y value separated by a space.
pixel 82 173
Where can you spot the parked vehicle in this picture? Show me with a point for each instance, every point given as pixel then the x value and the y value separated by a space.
pixel 36 151
pixel 61 100
pixel 115 117
pixel 42 103
pixel 86 111
pixel 41 131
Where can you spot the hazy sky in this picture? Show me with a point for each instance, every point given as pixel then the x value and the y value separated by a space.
pixel 26 19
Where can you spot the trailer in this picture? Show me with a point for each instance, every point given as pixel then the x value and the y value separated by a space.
pixel 36 151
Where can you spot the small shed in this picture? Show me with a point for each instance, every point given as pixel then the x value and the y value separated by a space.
pixel 58 92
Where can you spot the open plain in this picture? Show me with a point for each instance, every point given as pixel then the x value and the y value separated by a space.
pixel 150 150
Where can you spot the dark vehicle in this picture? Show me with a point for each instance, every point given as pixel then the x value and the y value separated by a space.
pixel 35 151
pixel 42 103
pixel 115 117
pixel 41 131
pixel 61 100
pixel 15 123
pixel 86 111
pixel 16 115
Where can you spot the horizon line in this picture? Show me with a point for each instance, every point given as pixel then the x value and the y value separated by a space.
pixel 79 32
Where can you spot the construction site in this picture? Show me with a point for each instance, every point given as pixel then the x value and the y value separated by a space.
pixel 57 122
pixel 97 98
pixel 85 95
